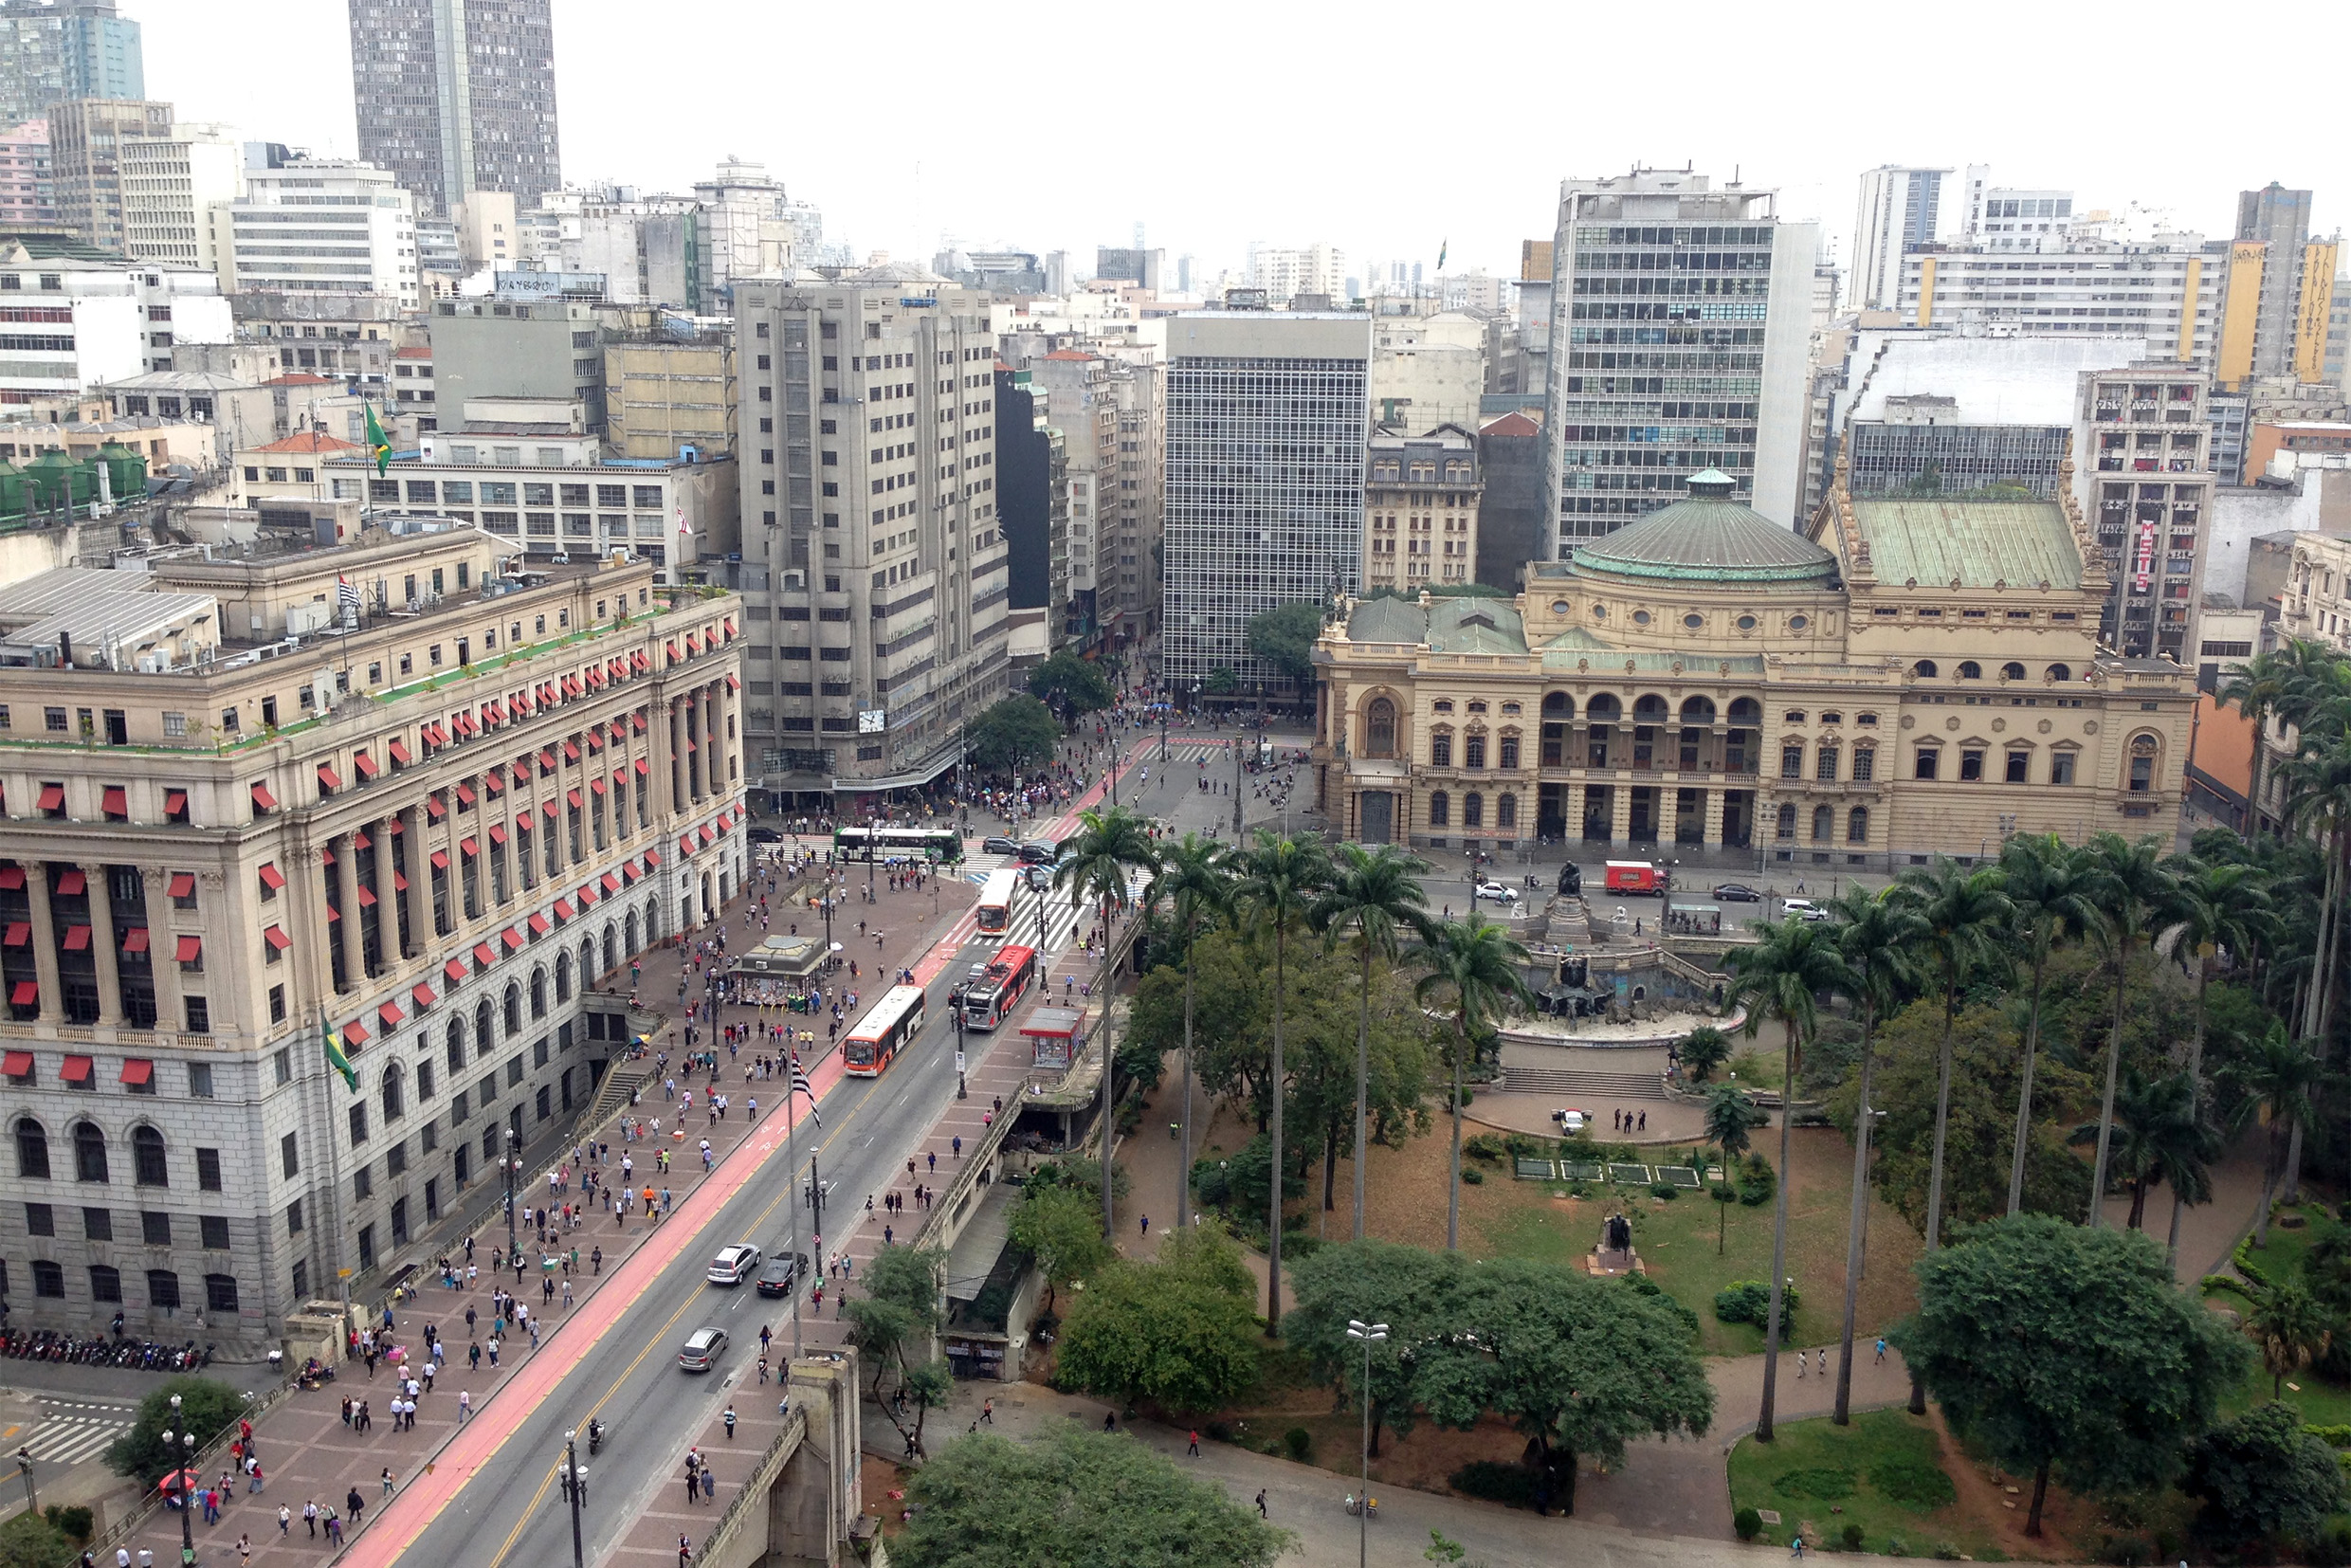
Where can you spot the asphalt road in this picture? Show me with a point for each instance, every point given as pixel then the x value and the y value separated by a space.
pixel 512 1513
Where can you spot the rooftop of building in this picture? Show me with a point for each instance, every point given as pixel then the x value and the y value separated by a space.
pixel 1991 380
pixel 1708 536
pixel 1516 422
pixel 310 442
pixel 178 382
pixel 1968 543
pixel 297 379
pixel 109 616
pixel 411 354
pixel 21 246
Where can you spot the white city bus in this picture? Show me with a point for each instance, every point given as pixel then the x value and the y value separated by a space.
pixel 996 901
pixel 878 1038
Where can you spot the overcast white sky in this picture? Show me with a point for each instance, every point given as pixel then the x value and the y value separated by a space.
pixel 1383 128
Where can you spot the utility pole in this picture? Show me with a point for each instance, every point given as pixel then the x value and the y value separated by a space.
pixel 573 1481
pixel 1237 788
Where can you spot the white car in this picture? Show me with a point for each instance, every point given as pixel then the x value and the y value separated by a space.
pixel 1571 1120
pixel 1500 892
pixel 734 1264
pixel 1801 909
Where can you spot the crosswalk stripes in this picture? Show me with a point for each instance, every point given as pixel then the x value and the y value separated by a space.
pixel 69 1438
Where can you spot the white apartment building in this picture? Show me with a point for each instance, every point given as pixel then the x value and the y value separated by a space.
pixel 320 226
pixel 1420 510
pixel 1283 272
pixel 69 323
pixel 2010 219
pixel 1110 407
pixel 748 227
pixel 169 185
pixel 2168 293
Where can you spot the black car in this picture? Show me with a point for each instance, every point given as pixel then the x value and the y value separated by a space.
pixel 777 1276
pixel 765 835
pixel 1040 851
pixel 996 844
pixel 1737 892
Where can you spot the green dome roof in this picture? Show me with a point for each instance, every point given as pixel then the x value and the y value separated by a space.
pixel 1708 536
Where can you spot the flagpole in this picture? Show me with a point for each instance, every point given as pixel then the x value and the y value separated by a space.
pixel 335 1181
pixel 791 1163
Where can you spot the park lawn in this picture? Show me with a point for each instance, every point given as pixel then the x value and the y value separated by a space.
pixel 1676 1241
pixel 1887 1472
pixel 1753 1068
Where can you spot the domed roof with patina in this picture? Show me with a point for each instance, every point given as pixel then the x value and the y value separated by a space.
pixel 1709 537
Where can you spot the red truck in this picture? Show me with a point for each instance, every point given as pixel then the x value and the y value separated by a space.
pixel 1634 876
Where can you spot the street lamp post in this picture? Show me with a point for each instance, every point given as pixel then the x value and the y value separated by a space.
pixel 571 1489
pixel 1370 1334
pixel 24 1468
pixel 514 1173
pixel 1164 734
pixel 873 832
pixel 187 1504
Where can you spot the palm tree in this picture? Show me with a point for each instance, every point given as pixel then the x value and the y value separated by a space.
pixel 1961 914
pixel 2318 799
pixel 1874 936
pixel 2219 907
pixel 2043 880
pixel 2262 688
pixel 2278 1074
pixel 1099 862
pixel 2294 1329
pixel 1794 962
pixel 1730 1117
pixel 1375 894
pixel 2159 1136
pixel 1477 963
pixel 1193 878
pixel 1280 877
pixel 2135 892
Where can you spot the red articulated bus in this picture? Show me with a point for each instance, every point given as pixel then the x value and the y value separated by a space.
pixel 989 997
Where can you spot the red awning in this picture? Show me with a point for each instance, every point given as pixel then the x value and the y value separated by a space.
pixel 587 895
pixel 611 883
pixel 367 896
pixel 523 819
pixel 77 938
pixel 77 1068
pixel 643 767
pixel 547 760
pixel 25 995
pixel 455 970
pixel 693 643
pixel 134 939
pixel 636 721
pixel 469 848
pixel 498 832
pixel 423 995
pixel 116 800
pixel 12 877
pixel 73 883
pixel 271 877
pixel 391 1015
pixel 53 797
pixel 484 954
pixel 540 925
pixel 277 939
pixel 653 858
pixel 617 732
pixel 563 909
pixel 328 778
pixel 360 841
pixel 685 845
pixel 730 626
pixel 549 807
pixel 440 860
pixel 734 681
pixel 571 684
pixel 572 795
pixel 18 1063
pixel 263 798
pixel 175 802
pixel 138 1069
pixel 332 914
pixel 512 938
pixel 674 654
pixel 464 722
pixel 18 934
pixel 399 752
pixel 354 1033
pixel 400 882
pixel 595 784
pixel 464 795
pixel 365 763
pixel 434 808
pixel 190 949
pixel 570 751
pixel 639 663
pixel 710 834
pixel 493 781
pixel 595 740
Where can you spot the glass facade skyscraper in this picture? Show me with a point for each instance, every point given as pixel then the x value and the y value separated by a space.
pixel 456 96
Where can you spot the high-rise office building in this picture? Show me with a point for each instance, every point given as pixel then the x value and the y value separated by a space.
pixel 1267 413
pixel 2143 474
pixel 87 140
pixel 1899 209
pixel 1681 320
pixel 52 50
pixel 872 547
pixel 2278 220
pixel 318 226
pixel 28 184
pixel 169 185
pixel 456 96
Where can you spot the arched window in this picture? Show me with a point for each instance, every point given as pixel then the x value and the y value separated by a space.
pixel 33 1149
pixel 1473 810
pixel 105 1283
pixel 1746 710
pixel 1786 827
pixel 631 937
pixel 588 970
pixel 1697 710
pixel 1380 728
pixel 1857 825
pixel 148 1166
pixel 1603 709
pixel 1440 810
pixel 539 993
pixel 485 1036
pixel 1650 710
pixel 2059 672
pixel 1473 751
pixel 1924 669
pixel 2012 672
pixel 1824 823
pixel 1970 671
pixel 89 1153
pixel 163 1289
pixel 1506 810
pixel 1557 704
pixel 394 1097
pixel 457 1045
pixel 513 1010
pixel 2143 757
pixel 563 977
pixel 1441 749
pixel 612 949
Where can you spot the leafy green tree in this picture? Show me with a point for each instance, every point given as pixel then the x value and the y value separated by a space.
pixel 1233 985
pixel 1220 681
pixel 1373 896
pixel 1701 1051
pixel 1192 877
pixel 1280 878
pixel 1779 978
pixel 1374 1281
pixel 1073 684
pixel 893 1316
pixel 2263 1478
pixel 1961 915
pixel 1178 1332
pixel 2044 878
pixel 1284 637
pixel 1241 1184
pixel 1476 963
pixel 28 1541
pixel 1077 1498
pixel 2292 1327
pixel 1056 1226
pixel 2222 906
pixel 1016 732
pixel 207 1407
pixel 2060 1348
pixel 1099 861
pixel 1580 1366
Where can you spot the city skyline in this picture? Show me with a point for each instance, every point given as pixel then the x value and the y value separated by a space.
pixel 894 184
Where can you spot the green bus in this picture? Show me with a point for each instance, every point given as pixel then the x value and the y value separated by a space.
pixel 938 845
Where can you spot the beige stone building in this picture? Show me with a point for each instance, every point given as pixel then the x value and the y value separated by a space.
pixel 1420 509
pixel 1909 676
pixel 224 823
pixel 661 395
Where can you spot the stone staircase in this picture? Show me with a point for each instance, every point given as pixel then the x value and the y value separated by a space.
pixel 621 1079
pixel 1584 1082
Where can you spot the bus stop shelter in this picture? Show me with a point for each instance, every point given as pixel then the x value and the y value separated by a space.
pixel 783 959
pixel 1055 1035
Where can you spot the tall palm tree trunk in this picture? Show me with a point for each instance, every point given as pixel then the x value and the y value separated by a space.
pixel 1110 1104
pixel 1362 1089
pixel 1273 1263
pixel 1452 1192
pixel 1942 1136
pixel 1183 1177
pixel 2106 1110
pixel 1780 1235
pixel 2024 1093
pixel 2196 1098
pixel 1858 1226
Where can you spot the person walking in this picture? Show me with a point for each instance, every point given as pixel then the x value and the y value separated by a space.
pixel 244 1551
pixel 388 1481
pixel 1260 1503
pixel 729 1419
pixel 1881 1360
pixel 1194 1448
pixel 310 1515
pixel 285 1521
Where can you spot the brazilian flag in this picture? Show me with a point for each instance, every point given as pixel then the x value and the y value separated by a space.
pixel 337 1059
pixel 379 447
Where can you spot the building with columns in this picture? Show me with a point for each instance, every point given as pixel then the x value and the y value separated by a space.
pixel 226 822
pixel 1910 677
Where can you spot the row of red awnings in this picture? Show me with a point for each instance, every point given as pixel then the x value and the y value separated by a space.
pixel 137 1071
